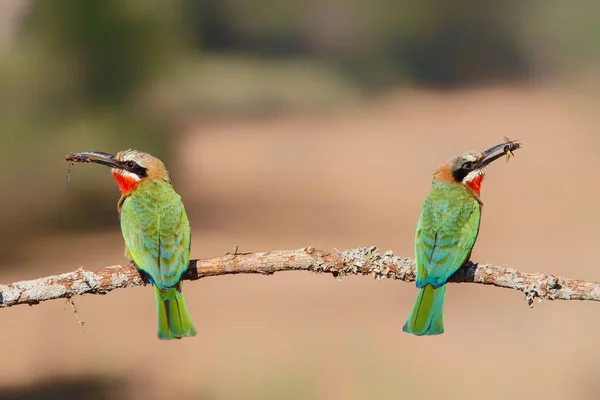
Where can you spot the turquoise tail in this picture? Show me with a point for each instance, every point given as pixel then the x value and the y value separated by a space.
pixel 174 321
pixel 427 315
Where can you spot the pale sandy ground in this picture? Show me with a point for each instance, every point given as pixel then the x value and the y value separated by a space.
pixel 356 178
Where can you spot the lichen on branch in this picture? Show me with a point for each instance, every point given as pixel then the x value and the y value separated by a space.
pixel 360 261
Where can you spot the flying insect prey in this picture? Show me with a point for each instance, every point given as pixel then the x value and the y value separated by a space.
pixel 155 228
pixel 447 231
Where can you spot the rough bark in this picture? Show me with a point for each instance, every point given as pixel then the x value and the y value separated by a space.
pixel 360 261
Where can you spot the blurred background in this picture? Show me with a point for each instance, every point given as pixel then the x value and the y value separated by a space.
pixel 287 123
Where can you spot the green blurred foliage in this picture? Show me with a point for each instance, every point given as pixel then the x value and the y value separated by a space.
pixel 378 43
pixel 114 46
pixel 73 82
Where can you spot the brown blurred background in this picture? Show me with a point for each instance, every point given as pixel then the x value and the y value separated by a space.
pixel 288 123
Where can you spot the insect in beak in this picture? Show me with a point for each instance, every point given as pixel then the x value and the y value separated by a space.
pixel 97 157
pixel 74 159
pixel 69 173
pixel 511 146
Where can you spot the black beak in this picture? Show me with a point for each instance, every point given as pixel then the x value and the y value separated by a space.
pixel 498 151
pixel 97 157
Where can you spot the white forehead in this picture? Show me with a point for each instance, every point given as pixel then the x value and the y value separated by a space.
pixel 134 155
pixel 471 156
pixel 130 155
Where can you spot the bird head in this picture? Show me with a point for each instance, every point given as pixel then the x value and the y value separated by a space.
pixel 470 168
pixel 129 167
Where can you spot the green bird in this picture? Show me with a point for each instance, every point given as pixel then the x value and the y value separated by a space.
pixel 447 231
pixel 156 231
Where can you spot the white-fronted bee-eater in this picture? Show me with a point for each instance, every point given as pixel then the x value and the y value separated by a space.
pixel 156 231
pixel 447 231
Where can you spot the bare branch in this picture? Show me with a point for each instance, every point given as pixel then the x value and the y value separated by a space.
pixel 361 261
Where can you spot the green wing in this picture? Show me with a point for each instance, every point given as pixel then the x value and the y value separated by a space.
pixel 157 233
pixel 446 232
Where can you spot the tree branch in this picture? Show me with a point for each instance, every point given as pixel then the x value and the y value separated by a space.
pixel 361 261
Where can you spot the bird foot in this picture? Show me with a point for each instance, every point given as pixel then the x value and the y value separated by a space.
pixel 145 277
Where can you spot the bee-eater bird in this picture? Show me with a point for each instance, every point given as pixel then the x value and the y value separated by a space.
pixel 446 233
pixel 156 231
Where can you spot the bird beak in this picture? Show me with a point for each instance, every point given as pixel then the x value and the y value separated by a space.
pixel 496 152
pixel 97 157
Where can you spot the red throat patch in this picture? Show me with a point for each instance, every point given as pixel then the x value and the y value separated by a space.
pixel 475 183
pixel 126 183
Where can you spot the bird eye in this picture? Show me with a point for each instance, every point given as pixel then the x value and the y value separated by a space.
pixel 467 165
pixel 130 164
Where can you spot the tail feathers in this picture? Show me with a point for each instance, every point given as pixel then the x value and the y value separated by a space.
pixel 174 321
pixel 427 315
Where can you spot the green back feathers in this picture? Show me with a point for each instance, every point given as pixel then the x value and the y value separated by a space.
pixel 157 232
pixel 446 232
